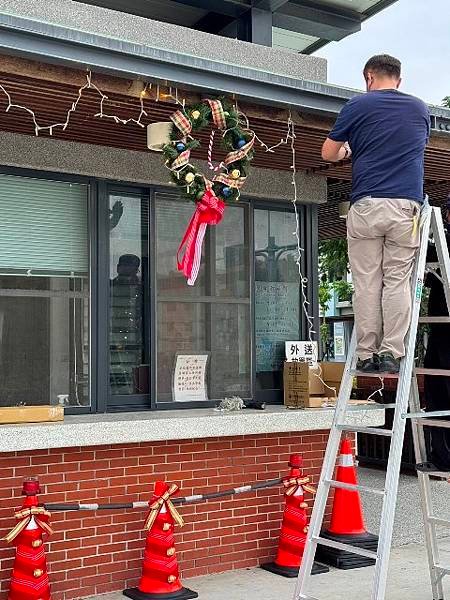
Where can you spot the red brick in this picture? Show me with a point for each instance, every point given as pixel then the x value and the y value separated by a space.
pixel 99 552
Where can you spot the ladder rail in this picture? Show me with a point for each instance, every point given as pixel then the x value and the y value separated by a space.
pixel 442 252
pixel 419 421
pixel 431 542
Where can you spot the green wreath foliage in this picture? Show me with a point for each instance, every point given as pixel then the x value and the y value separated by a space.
pixel 234 135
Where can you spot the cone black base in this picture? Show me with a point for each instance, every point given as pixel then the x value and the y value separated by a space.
pixel 342 559
pixel 183 594
pixel 293 571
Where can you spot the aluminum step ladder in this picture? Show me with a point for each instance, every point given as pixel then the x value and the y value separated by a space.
pixel 407 397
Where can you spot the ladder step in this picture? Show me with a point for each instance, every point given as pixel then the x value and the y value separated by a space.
pixel 362 429
pixel 377 374
pixel 345 547
pixel 418 371
pixel 434 319
pixel 433 423
pixel 441 522
pixel 443 569
pixel 439 474
pixel 353 487
pixel 438 372
pixel 433 265
pixel 428 468
pixel 427 415
pixel 371 406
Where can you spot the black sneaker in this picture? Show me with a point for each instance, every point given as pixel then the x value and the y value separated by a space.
pixel 389 364
pixel 369 365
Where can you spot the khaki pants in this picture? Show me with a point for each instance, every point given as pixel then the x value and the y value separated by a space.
pixel 382 244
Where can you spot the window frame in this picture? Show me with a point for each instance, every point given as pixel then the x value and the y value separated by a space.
pixel 98 231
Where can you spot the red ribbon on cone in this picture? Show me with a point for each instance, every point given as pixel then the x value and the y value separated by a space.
pixel 209 211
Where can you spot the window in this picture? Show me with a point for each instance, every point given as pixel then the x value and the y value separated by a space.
pixel 128 286
pixel 44 292
pixel 213 315
pixel 243 307
pixel 277 297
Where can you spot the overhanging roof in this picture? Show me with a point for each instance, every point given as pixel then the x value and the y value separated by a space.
pixel 302 25
pixel 62 45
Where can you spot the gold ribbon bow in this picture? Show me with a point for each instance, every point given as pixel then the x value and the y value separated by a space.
pixel 24 516
pixel 156 506
pixel 292 484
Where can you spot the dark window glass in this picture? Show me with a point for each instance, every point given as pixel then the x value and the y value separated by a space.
pixel 129 362
pixel 277 294
pixel 194 319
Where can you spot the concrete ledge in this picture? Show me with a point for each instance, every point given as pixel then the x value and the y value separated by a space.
pixel 120 26
pixel 129 428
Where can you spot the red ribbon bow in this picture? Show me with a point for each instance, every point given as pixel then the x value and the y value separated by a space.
pixel 158 503
pixel 24 516
pixel 209 211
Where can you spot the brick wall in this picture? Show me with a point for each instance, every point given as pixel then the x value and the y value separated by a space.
pixel 92 553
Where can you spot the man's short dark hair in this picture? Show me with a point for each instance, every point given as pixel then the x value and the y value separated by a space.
pixel 385 65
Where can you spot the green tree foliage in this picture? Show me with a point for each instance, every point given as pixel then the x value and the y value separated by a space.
pixel 333 268
pixel 333 258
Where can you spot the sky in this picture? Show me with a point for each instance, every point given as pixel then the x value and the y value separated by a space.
pixel 415 31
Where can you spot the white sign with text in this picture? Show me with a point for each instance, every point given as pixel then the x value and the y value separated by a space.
pixel 189 378
pixel 302 352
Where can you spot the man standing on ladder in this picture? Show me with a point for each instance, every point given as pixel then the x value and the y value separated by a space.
pixel 386 132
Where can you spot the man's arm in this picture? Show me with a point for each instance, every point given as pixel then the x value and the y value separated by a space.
pixel 335 151
pixel 336 148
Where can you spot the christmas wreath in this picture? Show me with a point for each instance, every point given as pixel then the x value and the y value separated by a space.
pixel 209 195
pixel 237 141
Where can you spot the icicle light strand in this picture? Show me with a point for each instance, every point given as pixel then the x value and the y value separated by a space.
pixel 64 124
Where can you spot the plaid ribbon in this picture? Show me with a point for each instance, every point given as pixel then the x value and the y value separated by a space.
pixel 181 160
pixel 217 113
pixel 239 154
pixel 293 483
pixel 181 122
pixel 24 517
pixel 156 506
pixel 230 181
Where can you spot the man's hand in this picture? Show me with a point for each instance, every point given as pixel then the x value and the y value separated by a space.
pixel 335 151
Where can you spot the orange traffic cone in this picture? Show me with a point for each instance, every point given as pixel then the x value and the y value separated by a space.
pixel 294 526
pixel 347 520
pixel 160 575
pixel 29 579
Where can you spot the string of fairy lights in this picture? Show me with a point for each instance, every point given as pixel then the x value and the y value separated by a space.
pixel 289 139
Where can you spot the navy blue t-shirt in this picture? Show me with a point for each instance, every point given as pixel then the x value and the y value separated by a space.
pixel 387 132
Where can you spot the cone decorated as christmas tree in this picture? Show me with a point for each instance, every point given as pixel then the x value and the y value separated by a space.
pixel 29 579
pixel 160 574
pixel 294 526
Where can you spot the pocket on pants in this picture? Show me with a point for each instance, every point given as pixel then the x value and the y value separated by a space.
pixel 362 207
pixel 408 211
pixel 359 223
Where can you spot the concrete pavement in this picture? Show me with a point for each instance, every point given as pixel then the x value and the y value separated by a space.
pixel 408 579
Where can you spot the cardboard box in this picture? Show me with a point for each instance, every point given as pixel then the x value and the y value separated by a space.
pixel 332 375
pixel 31 414
pixel 303 386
